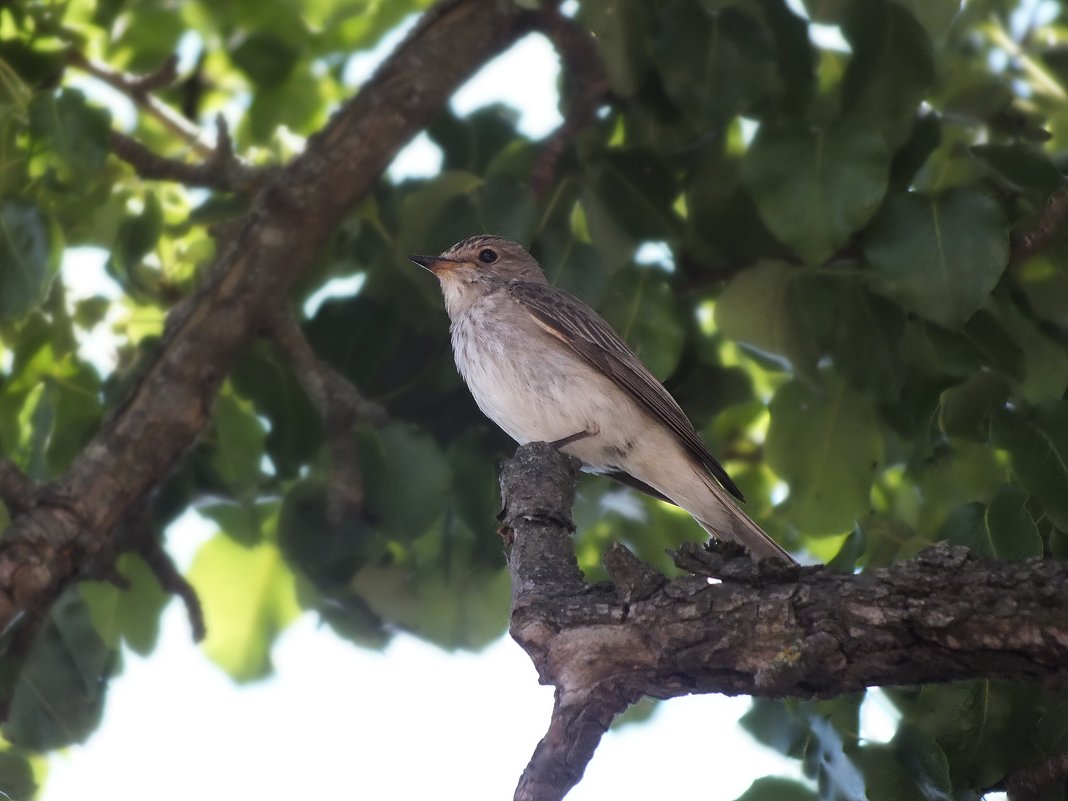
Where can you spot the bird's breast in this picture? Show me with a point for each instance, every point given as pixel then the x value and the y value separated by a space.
pixel 530 384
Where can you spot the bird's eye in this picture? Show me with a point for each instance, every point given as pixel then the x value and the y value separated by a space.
pixel 487 256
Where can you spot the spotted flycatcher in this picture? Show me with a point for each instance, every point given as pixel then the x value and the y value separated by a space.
pixel 546 367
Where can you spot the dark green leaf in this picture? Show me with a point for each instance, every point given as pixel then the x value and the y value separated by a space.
pixel 1012 530
pixel 966 408
pixel 637 191
pixel 942 256
pixel 31 246
pixel 828 448
pixel 619 28
pixel 772 788
pixel 76 133
pixel 775 724
pixel 407 478
pixel 328 553
pixel 891 69
pixel 867 343
pixel 713 65
pixel 1038 446
pixel 136 237
pixel 641 307
pixel 60 693
pixel 814 189
pixel 1023 167
pixel 265 58
pixel 17 779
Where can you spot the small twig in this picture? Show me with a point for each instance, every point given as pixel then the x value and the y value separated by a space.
pixel 17 491
pixel 582 66
pixel 340 405
pixel 136 533
pixel 1050 221
pixel 223 170
pixel 163 568
pixel 139 89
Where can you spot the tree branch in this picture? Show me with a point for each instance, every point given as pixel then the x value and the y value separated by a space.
pixel 340 405
pixel 1026 244
pixel 139 89
pixel 222 170
pixel 762 629
pixel 589 87
pixel 143 439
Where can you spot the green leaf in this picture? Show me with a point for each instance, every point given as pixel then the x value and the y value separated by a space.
pixel 828 448
pixel 773 788
pixel 249 596
pixel 1021 166
pixel 76 133
pixel 239 441
pixel 1013 534
pixel 941 256
pixel 637 191
pixel 867 343
pixel 619 28
pixel 329 554
pixel 265 58
pixel 714 65
pixel 935 15
pixel 641 307
pixel 59 697
pixel 31 247
pixel 407 478
pixel 132 614
pixel 17 779
pixel 774 723
pixel 966 409
pixel 815 188
pixel 762 306
pixel 891 69
pixel 136 237
pixel 1038 446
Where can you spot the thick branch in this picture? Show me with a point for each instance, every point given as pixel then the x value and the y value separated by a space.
pixel 763 629
pixel 148 433
pixel 1026 244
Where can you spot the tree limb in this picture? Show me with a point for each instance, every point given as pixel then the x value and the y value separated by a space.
pixel 222 170
pixel 735 626
pixel 143 439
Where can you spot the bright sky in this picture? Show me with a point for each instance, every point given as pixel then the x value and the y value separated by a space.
pixel 338 722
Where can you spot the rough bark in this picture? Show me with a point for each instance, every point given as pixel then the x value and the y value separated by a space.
pixel 72 521
pixel 734 626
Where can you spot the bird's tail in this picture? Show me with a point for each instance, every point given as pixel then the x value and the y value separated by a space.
pixel 740 528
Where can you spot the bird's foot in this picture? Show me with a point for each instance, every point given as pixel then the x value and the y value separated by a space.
pixel 592 431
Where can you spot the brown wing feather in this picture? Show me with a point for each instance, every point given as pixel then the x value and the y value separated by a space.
pixel 587 334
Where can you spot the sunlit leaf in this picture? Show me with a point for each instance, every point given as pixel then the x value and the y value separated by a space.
pixel 249 596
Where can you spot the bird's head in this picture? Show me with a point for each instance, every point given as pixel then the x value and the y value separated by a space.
pixel 473 267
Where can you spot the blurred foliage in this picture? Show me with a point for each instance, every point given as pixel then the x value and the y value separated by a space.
pixel 803 230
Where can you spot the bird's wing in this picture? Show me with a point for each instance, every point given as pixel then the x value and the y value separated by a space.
pixel 588 335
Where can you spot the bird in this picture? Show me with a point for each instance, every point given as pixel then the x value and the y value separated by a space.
pixel 545 367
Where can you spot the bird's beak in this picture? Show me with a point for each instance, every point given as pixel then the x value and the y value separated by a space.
pixel 435 264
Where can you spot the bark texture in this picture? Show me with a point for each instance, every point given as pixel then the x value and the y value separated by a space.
pixel 734 626
pixel 70 527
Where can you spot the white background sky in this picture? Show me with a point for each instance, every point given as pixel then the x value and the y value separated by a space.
pixel 337 722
